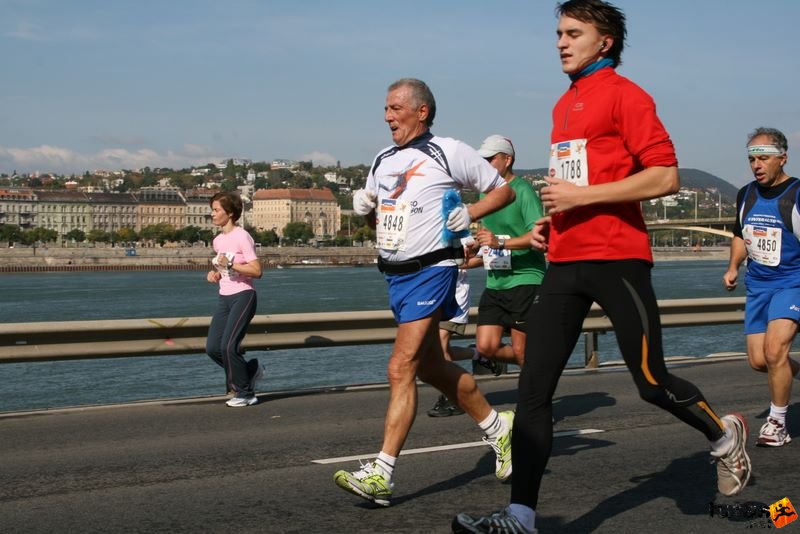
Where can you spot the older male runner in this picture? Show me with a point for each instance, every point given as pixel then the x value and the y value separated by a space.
pixel 609 151
pixel 767 233
pixel 403 195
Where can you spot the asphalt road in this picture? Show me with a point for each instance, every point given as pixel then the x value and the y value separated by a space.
pixel 198 466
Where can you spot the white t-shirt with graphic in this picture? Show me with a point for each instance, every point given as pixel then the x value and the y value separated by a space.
pixel 410 183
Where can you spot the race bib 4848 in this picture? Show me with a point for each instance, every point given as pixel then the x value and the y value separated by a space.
pixel 392 224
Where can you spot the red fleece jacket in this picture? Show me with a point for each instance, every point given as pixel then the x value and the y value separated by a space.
pixel 624 136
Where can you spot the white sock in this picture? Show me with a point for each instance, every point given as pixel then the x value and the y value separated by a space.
pixel 723 445
pixel 524 514
pixel 778 413
pixel 493 426
pixel 385 463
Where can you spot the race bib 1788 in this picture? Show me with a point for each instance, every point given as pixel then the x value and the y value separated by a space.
pixel 568 161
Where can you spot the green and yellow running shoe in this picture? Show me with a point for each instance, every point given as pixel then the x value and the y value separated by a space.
pixel 368 483
pixel 502 447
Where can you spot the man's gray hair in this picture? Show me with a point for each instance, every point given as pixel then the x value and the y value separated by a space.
pixel 776 135
pixel 420 94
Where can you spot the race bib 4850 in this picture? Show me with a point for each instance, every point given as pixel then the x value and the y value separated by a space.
pixel 763 244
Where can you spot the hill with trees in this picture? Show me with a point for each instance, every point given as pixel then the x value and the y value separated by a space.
pixel 690 179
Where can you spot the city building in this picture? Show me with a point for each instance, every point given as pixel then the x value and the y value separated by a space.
pixel 62 211
pixel 284 164
pixel 273 209
pixel 156 206
pixel 110 212
pixel 17 207
pixel 66 210
pixel 198 209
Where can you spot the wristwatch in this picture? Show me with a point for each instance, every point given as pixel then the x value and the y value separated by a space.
pixel 501 243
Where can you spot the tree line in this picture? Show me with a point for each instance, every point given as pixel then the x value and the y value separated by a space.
pixel 354 229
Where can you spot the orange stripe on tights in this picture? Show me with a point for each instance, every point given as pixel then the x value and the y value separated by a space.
pixel 706 408
pixel 645 369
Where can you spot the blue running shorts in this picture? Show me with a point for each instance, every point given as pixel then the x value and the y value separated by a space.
pixel 417 295
pixel 767 304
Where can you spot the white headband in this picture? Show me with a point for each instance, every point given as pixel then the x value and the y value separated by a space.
pixel 767 150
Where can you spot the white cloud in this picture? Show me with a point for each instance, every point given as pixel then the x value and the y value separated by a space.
pixel 322 159
pixel 46 158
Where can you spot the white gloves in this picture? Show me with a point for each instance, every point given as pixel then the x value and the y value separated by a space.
pixel 458 219
pixel 364 202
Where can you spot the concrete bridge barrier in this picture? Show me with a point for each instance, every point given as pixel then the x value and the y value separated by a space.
pixel 75 340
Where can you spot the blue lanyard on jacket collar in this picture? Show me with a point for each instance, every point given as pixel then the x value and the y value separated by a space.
pixel 594 67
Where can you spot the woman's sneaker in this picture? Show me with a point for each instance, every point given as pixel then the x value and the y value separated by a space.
pixel 368 483
pixel 240 402
pixel 773 434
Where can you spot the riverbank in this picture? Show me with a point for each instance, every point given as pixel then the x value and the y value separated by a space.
pixel 680 254
pixel 107 258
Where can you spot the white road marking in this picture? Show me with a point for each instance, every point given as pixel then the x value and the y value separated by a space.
pixel 371 455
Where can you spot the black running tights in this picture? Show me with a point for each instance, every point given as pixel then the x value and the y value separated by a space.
pixel 623 289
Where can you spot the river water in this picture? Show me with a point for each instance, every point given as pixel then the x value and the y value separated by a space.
pixel 127 295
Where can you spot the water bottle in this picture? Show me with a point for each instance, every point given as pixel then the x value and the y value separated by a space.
pixel 450 201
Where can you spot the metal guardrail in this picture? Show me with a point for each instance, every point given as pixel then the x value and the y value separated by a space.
pixel 78 340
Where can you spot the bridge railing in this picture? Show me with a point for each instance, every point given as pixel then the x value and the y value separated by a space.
pixel 78 340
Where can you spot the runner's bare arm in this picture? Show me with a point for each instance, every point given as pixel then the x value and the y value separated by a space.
pixel 653 182
pixel 494 200
pixel 738 254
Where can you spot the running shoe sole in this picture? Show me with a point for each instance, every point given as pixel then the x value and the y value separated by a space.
pixel 764 442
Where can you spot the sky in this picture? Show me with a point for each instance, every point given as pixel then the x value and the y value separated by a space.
pixel 117 84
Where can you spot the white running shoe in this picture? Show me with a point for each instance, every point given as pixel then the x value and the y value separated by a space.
pixel 773 434
pixel 240 402
pixel 502 447
pixel 733 468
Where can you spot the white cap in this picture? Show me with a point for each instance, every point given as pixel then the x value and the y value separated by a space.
pixel 494 144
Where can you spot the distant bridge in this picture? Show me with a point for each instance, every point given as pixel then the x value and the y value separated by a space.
pixel 716 226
